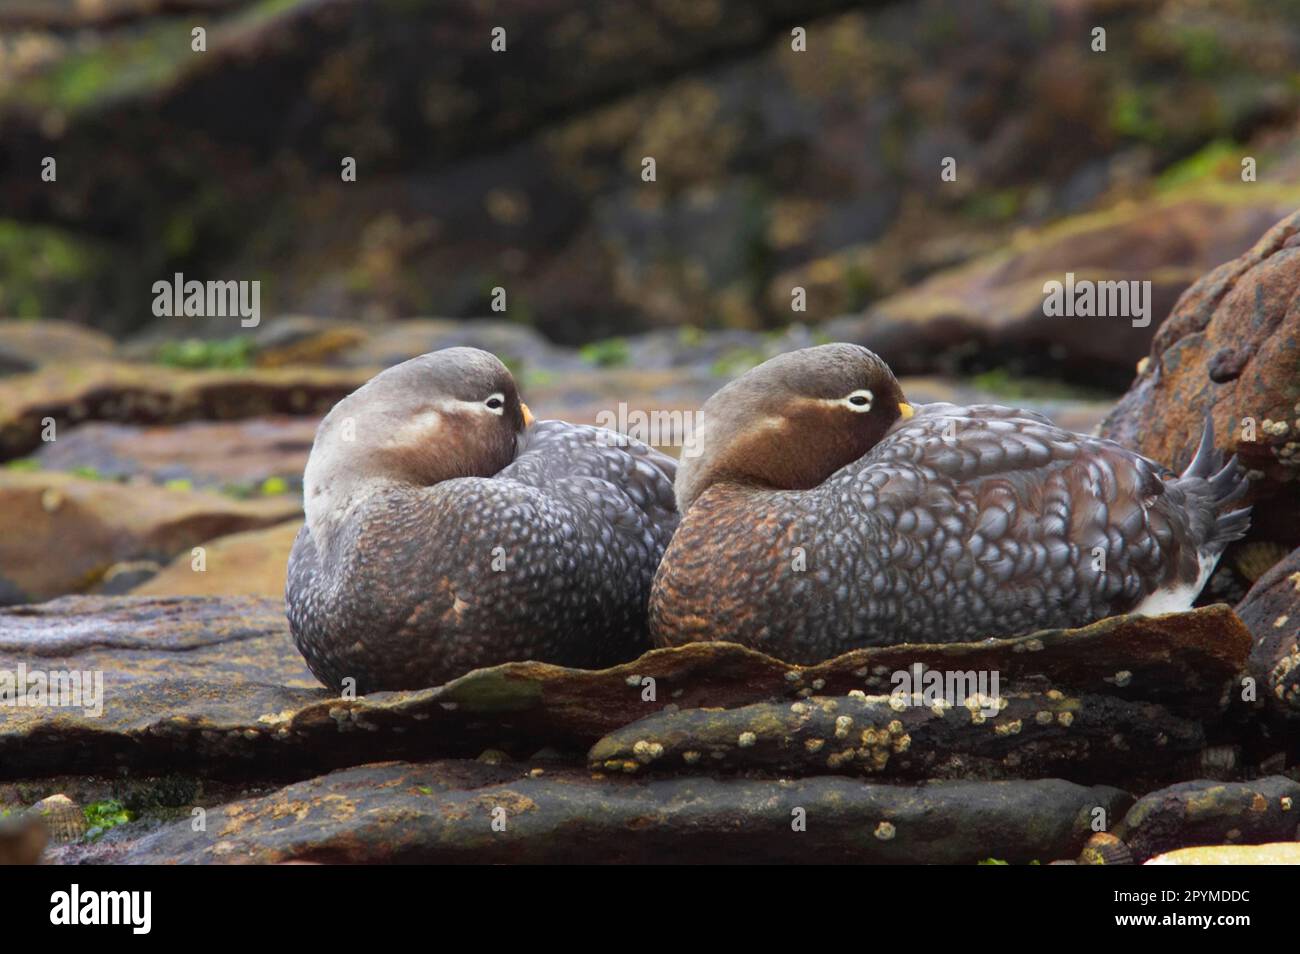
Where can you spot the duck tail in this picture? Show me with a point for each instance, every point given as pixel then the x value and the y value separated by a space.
pixel 1218 487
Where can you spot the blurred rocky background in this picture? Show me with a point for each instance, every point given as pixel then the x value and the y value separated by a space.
pixel 779 172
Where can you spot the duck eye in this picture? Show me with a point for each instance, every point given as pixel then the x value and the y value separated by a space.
pixel 859 400
pixel 496 403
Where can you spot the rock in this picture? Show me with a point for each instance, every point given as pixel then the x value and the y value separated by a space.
pixel 252 563
pixel 236 455
pixel 184 681
pixel 1278 853
pixel 1085 739
pixel 149 394
pixel 1229 351
pixel 1271 611
pixel 26 345
pixel 303 339
pixel 64 533
pixel 992 308
pixel 245 702
pixel 1212 813
pixel 444 812
pixel 520 347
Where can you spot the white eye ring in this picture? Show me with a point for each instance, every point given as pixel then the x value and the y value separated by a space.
pixel 859 401
pixel 496 404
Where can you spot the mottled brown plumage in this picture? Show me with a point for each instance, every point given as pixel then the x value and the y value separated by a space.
pixel 813 526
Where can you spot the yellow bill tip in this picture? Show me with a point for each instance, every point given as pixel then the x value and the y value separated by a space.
pixel 528 415
pixel 906 410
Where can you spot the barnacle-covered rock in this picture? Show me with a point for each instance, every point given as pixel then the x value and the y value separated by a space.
pixel 1212 813
pixel 1088 739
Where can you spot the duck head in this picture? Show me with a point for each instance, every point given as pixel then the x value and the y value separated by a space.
pixel 794 420
pixel 450 413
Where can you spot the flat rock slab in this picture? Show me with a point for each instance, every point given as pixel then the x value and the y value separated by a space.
pixel 153 394
pixel 218 454
pixel 445 812
pixel 67 534
pixel 215 686
pixel 1212 813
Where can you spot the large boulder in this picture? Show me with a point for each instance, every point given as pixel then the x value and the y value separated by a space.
pixel 73 393
pixel 1230 351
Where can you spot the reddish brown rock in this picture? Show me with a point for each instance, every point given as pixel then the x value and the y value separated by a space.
pixel 1230 351
pixel 252 563
pixel 1087 739
pixel 63 534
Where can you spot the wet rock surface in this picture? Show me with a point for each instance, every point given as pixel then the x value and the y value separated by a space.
pixel 445 811
pixel 235 456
